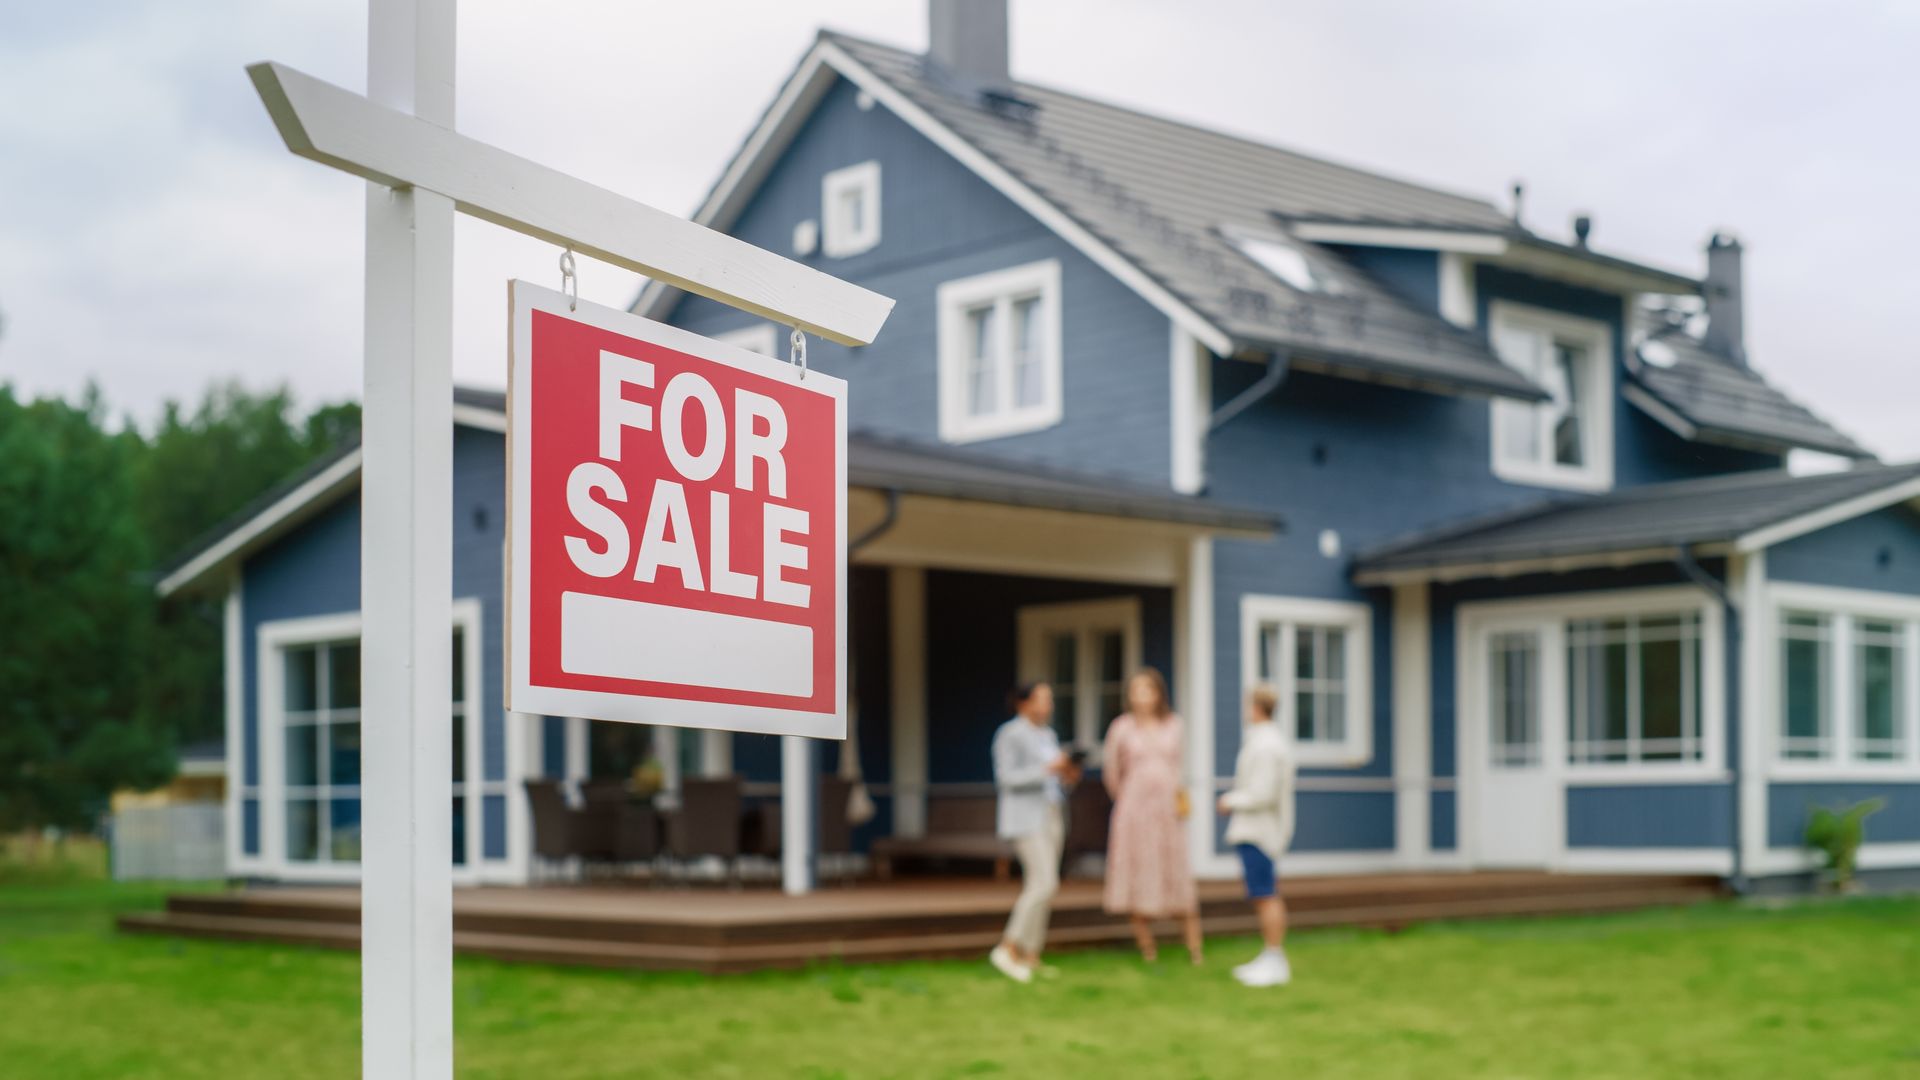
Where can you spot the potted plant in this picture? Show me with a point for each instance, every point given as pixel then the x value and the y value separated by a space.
pixel 1836 833
pixel 648 778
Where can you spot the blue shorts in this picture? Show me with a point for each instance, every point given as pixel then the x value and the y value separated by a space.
pixel 1258 869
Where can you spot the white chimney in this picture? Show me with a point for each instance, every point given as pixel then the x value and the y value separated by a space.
pixel 1726 311
pixel 967 44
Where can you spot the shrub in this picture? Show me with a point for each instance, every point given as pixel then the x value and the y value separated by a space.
pixel 1837 833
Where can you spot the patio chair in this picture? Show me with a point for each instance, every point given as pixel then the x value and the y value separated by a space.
pixel 835 828
pixel 557 828
pixel 707 822
pixel 1089 814
pixel 619 829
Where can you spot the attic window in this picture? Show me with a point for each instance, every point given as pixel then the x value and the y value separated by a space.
pixel 850 210
pixel 1284 261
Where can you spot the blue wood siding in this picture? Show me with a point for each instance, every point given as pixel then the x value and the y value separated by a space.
pixel 1650 816
pixel 1413 276
pixel 1443 822
pixel 315 570
pixel 940 222
pixel 1878 551
pixel 1789 804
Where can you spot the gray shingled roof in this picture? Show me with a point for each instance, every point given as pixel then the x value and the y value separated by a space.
pixel 1728 402
pixel 1655 517
pixel 1159 192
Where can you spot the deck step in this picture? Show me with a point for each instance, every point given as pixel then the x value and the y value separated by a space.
pixel 268 922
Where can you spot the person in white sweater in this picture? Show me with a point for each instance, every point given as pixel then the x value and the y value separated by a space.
pixel 1261 802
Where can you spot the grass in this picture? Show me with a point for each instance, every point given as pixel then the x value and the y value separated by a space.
pixel 1829 989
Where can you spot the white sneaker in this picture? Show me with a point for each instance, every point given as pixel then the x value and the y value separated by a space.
pixel 1002 959
pixel 1250 966
pixel 1270 970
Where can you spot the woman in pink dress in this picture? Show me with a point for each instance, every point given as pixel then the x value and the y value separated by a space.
pixel 1148 875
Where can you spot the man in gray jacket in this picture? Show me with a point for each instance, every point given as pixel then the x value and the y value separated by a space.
pixel 1030 773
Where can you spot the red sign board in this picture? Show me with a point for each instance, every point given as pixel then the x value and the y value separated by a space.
pixel 676 526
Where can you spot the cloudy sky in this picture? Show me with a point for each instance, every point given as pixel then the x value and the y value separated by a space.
pixel 155 235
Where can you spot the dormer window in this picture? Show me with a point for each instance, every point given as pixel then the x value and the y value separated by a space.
pixel 1567 440
pixel 850 210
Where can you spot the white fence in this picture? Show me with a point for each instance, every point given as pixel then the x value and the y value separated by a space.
pixel 170 842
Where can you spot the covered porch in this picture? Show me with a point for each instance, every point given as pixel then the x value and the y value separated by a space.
pixel 967 574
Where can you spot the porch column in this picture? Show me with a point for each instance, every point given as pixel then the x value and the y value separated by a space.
pixel 907 628
pixel 1747 581
pixel 1412 722
pixel 1193 665
pixel 716 753
pixel 797 840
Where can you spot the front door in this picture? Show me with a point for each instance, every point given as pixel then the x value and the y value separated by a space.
pixel 1515 809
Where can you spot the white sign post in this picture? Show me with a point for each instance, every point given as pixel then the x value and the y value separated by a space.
pixel 400 137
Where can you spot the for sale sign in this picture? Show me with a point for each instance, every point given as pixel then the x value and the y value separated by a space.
pixel 676 526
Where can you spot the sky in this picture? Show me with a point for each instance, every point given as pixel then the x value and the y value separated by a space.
pixel 155 235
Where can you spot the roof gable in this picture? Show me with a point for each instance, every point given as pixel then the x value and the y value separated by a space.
pixel 1158 221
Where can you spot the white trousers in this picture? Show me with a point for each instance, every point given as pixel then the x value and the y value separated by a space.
pixel 1039 853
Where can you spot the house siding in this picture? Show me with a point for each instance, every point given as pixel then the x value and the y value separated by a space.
pixel 1788 805
pixel 1878 551
pixel 940 222
pixel 1650 816
pixel 315 570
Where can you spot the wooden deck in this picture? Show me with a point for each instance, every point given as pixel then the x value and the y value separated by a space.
pixel 722 930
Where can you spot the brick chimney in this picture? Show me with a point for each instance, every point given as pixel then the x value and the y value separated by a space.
pixel 967 45
pixel 1726 316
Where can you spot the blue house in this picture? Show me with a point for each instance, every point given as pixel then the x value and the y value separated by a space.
pixel 1505 519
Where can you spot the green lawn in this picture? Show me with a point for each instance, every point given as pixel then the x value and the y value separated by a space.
pixel 1819 990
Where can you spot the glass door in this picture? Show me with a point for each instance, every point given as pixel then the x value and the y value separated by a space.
pixel 1515 815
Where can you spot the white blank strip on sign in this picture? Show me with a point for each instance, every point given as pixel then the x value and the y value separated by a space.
pixel 630 639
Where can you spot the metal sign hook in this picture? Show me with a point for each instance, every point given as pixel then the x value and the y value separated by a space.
pixel 569 281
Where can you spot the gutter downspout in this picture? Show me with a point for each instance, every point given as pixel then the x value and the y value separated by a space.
pixel 1277 367
pixel 1688 565
pixel 879 528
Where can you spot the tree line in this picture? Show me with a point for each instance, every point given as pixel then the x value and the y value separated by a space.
pixel 100 680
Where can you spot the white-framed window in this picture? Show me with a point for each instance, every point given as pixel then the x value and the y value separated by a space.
pixel 1317 654
pixel 762 338
pixel 1806 678
pixel 1634 689
pixel 1086 650
pixel 310 717
pixel 1848 690
pixel 1597 688
pixel 1566 441
pixel 850 210
pixel 1000 352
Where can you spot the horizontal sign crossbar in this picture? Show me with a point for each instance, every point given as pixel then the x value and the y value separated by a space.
pixel 337 127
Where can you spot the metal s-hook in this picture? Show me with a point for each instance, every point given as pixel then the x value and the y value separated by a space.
pixel 797 351
pixel 569 281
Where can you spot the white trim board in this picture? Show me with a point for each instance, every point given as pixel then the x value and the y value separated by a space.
pixel 804 91
pixel 308 498
pixel 1832 514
